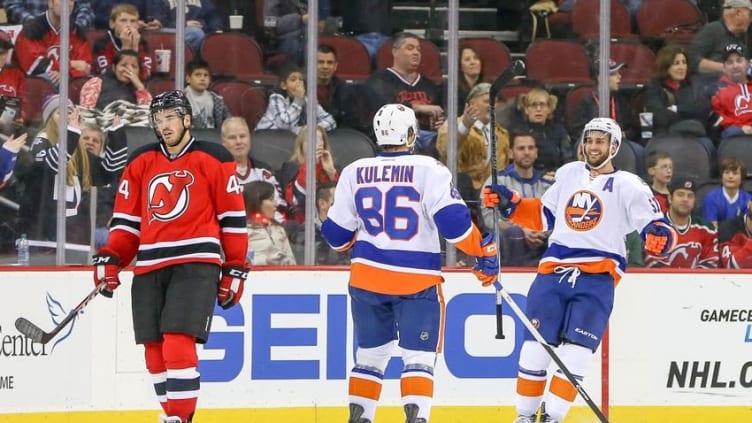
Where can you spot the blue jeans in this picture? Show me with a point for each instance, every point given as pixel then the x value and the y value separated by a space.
pixel 372 41
pixel 194 37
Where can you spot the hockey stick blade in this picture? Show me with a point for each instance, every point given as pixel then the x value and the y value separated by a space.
pixel 517 68
pixel 30 330
pixel 36 334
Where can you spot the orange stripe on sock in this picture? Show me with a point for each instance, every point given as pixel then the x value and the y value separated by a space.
pixel 414 385
pixel 563 388
pixel 365 388
pixel 530 388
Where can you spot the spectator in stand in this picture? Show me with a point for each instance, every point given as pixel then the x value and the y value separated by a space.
pixel 333 93
pixel 209 109
pixel 470 74
pixel 325 254
pixel 37 48
pixel 293 172
pixel 670 96
pixel 733 116
pixel 369 21
pixel 123 34
pixel 660 169
pixel 201 18
pixel 729 200
pixel 538 119
pixel 236 138
pixel 520 246
pixel 267 239
pixel 146 9
pixel 12 79
pixel 697 242
pixel 286 109
pixel 474 139
pixel 20 11
pixel 706 52
pixel 285 22
pixel 401 83
pixel 8 154
pixel 121 82
pixel 619 111
pixel 84 170
pixel 735 239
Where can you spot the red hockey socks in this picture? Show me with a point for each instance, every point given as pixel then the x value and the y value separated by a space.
pixel 182 384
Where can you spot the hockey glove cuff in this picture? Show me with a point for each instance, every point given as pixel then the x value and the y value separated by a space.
pixel 231 285
pixel 487 266
pixel 106 268
pixel 659 237
pixel 502 197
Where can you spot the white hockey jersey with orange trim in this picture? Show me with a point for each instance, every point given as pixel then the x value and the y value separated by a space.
pixel 590 218
pixel 391 209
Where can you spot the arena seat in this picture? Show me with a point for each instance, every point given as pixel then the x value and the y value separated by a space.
pixel 159 85
pixel 273 146
pixel 626 159
pixel 638 59
pixel 74 87
pixel 558 62
pixel 571 101
pixel 37 90
pixel 688 154
pixel 585 23
pixel 243 99
pixel 671 20
pixel 166 40
pixel 737 148
pixel 235 55
pixel 348 145
pixel 353 62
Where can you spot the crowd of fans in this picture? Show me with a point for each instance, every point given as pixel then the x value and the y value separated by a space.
pixel 699 91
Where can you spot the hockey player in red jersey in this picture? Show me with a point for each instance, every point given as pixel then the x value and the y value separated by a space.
pixel 590 209
pixel 178 209
pixel 392 209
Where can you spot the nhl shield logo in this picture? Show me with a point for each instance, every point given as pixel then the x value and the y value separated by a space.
pixel 424 335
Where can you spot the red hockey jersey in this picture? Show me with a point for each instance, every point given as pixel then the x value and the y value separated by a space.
pixel 39 40
pixel 109 45
pixel 186 209
pixel 735 243
pixel 732 103
pixel 696 248
pixel 13 84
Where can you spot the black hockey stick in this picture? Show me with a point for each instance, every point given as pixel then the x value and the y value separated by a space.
pixel 538 337
pixel 36 334
pixel 516 68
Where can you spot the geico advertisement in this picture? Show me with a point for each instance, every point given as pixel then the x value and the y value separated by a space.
pixel 683 339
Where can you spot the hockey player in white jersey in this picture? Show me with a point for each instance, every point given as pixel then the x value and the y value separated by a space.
pixel 590 209
pixel 391 210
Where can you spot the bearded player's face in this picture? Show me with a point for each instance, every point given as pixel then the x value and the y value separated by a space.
pixel 596 145
pixel 171 126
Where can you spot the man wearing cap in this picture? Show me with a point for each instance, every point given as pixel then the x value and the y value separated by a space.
pixel 735 238
pixel 697 242
pixel 733 116
pixel 12 79
pixel 474 138
pixel 706 52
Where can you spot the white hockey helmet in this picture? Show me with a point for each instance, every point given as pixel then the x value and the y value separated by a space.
pixel 395 124
pixel 608 126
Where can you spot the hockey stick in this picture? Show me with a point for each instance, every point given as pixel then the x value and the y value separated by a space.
pixel 36 334
pixel 516 68
pixel 538 337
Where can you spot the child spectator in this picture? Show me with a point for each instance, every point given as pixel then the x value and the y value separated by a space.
pixel 293 172
pixel 286 108
pixel 267 239
pixel 209 109
pixel 122 35
pixel 37 48
pixel 729 200
pixel 121 82
pixel 660 168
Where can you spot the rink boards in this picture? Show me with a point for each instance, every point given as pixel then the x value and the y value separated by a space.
pixel 680 349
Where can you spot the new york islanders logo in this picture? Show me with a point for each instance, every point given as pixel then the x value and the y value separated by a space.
pixel 169 195
pixel 584 211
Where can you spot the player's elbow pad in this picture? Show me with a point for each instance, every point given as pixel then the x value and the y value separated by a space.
pixel 336 236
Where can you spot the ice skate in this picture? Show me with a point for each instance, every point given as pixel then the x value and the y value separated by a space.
pixel 411 414
pixel 545 418
pixel 356 410
pixel 169 419
pixel 524 419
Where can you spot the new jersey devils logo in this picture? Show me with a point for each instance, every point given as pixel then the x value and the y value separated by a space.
pixel 169 195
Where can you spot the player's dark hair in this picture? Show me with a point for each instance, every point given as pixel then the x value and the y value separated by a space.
pixel 196 64
pixel 255 193
pixel 654 157
pixel 326 49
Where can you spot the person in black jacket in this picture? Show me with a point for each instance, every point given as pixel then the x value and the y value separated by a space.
pixel 670 96
pixel 333 93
